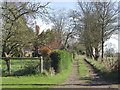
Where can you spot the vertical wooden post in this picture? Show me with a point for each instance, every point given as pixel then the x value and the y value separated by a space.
pixel 9 66
pixel 41 64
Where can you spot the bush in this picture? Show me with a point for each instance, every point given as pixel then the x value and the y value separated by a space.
pixel 5 73
pixel 45 73
pixel 45 51
pixel 55 58
pixel 47 63
pixel 61 60
pixel 30 68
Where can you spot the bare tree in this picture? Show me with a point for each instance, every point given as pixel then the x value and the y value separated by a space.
pixel 14 12
pixel 63 26
pixel 96 23
pixel 107 19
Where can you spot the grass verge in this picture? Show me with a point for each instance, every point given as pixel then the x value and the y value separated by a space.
pixel 35 81
pixel 83 70
pixel 111 76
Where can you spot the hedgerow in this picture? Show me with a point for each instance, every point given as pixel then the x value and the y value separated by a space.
pixel 61 60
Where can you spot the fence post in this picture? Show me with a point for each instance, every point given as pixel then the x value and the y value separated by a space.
pixel 9 66
pixel 41 64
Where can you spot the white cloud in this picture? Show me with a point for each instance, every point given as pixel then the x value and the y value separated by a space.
pixel 45 27
pixel 114 41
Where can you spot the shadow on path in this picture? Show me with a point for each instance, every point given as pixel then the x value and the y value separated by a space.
pixel 94 81
pixel 32 84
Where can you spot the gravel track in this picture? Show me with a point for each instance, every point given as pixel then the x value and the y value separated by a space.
pixel 95 81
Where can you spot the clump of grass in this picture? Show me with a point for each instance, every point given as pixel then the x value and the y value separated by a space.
pixel 96 64
pixel 83 70
pixel 106 74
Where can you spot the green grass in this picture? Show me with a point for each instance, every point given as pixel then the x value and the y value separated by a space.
pixel 33 81
pixel 96 64
pixel 107 74
pixel 83 70
pixel 16 64
pixel 30 81
pixel 114 58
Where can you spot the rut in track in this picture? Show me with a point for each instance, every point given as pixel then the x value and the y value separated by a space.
pixel 75 82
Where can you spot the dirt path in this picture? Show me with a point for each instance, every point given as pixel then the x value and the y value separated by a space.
pixel 75 82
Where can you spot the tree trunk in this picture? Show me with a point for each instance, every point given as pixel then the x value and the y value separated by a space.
pixel 96 54
pixel 3 49
pixel 67 39
pixel 91 52
pixel 87 52
pixel 102 44
pixel 8 65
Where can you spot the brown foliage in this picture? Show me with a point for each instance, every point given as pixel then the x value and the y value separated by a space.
pixel 45 51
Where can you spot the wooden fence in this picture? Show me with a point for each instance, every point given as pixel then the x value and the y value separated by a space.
pixel 8 59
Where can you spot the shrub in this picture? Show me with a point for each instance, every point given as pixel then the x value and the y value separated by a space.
pixel 61 60
pixel 30 68
pixel 47 63
pixel 45 73
pixel 4 73
pixel 55 58
pixel 45 51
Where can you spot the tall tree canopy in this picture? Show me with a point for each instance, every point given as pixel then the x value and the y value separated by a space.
pixel 15 19
pixel 96 22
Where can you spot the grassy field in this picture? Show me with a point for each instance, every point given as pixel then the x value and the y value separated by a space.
pixel 32 81
pixel 35 81
pixel 17 64
pixel 83 70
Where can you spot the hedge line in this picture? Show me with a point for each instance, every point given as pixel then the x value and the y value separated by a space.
pixel 61 60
